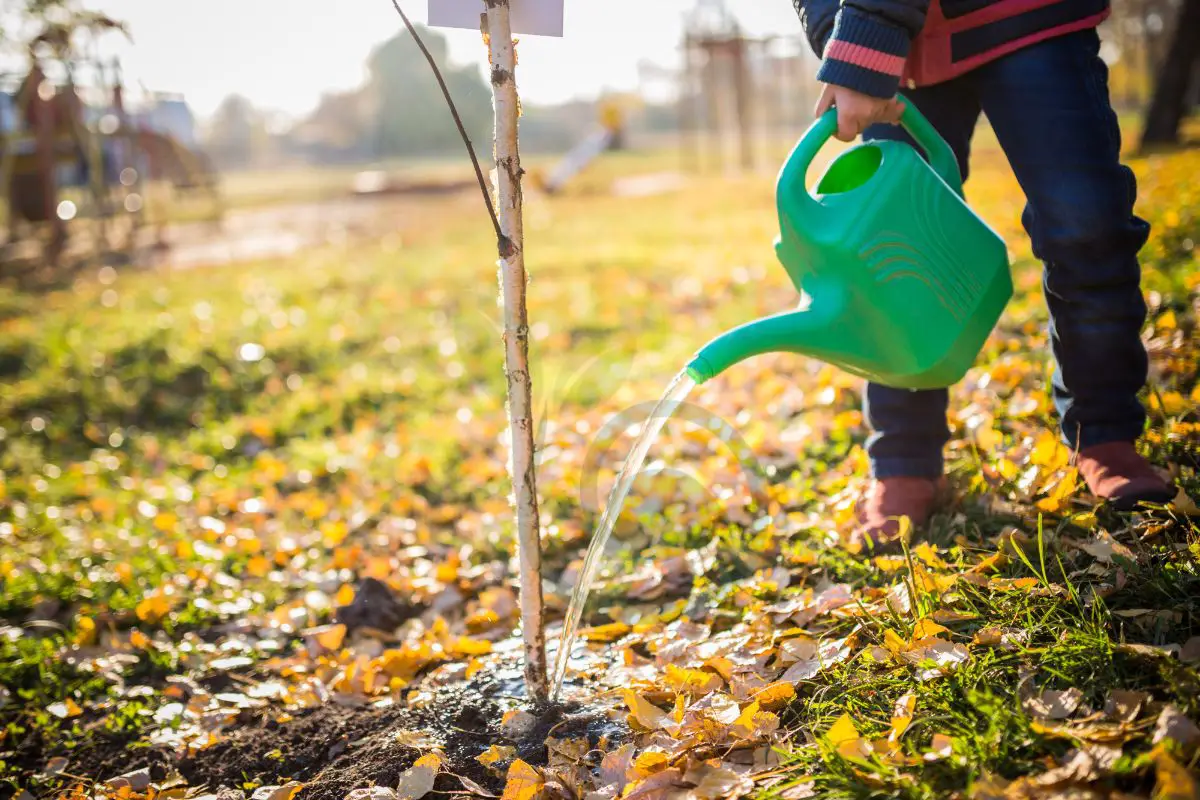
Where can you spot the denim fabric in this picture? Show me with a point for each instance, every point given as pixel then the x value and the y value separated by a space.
pixel 1049 107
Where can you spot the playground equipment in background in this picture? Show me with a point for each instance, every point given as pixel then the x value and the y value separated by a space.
pixel 62 159
pixel 612 114
pixel 739 98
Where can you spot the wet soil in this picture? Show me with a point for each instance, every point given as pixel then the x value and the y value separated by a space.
pixel 334 749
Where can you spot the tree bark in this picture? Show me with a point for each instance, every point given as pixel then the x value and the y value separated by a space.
pixel 1167 107
pixel 513 279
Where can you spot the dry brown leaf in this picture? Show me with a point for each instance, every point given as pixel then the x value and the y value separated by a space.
pixel 372 793
pixel 935 657
pixel 665 785
pixel 1004 638
pixel 517 723
pixel 1103 547
pixel 1053 704
pixel 417 781
pixel 136 781
pixel 800 648
pixel 615 765
pixel 1124 706
pixel 417 740
pixel 1151 650
pixel 1173 724
pixel 1081 765
pixel 715 782
pixel 566 753
pixel 471 787
pixel 56 765
pixel 799 791
pixel 828 654
pixel 1190 652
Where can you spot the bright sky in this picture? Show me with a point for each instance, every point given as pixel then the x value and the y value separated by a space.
pixel 282 54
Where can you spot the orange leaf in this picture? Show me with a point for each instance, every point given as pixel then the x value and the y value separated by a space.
pixel 775 695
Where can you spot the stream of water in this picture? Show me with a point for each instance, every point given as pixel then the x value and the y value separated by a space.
pixel 677 391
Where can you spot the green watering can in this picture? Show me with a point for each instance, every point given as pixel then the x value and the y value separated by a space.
pixel 902 282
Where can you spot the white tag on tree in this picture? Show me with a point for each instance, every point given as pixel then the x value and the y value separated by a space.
pixel 532 17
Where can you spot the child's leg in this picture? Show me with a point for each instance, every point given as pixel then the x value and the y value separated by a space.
pixel 908 429
pixel 1050 109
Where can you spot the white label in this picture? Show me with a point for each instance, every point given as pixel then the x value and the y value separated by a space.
pixel 533 17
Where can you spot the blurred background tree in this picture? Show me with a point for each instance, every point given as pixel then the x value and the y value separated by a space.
pixel 1176 77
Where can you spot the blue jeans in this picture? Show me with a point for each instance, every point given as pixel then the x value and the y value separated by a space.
pixel 1048 105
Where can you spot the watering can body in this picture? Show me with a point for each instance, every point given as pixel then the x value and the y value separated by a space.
pixel 903 283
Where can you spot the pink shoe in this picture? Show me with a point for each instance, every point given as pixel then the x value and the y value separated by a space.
pixel 881 507
pixel 1116 473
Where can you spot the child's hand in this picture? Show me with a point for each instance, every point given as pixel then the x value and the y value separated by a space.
pixel 856 111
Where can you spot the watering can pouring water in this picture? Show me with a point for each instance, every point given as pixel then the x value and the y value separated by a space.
pixel 902 282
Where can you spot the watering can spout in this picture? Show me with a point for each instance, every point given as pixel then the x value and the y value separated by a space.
pixel 810 332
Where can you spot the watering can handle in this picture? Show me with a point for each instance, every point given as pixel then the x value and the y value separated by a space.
pixel 941 157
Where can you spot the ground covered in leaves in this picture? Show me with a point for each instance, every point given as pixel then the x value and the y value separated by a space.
pixel 255 541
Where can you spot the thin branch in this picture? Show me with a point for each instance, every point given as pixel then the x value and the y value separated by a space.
pixel 462 131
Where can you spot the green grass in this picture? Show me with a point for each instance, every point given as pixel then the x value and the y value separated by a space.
pixel 181 450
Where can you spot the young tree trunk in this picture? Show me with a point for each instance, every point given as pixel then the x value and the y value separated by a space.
pixel 1167 107
pixel 516 343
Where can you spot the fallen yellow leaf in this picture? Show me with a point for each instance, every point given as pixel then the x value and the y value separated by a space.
pixel 842 731
pixel 605 633
pixel 775 695
pixel 496 754
pixel 646 764
pixel 902 716
pixel 523 782
pixel 926 628
pixel 694 682
pixel 648 715
pixel 1174 780
pixel 754 723
pixel 153 608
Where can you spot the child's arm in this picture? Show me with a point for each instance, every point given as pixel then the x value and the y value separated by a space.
pixel 863 44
